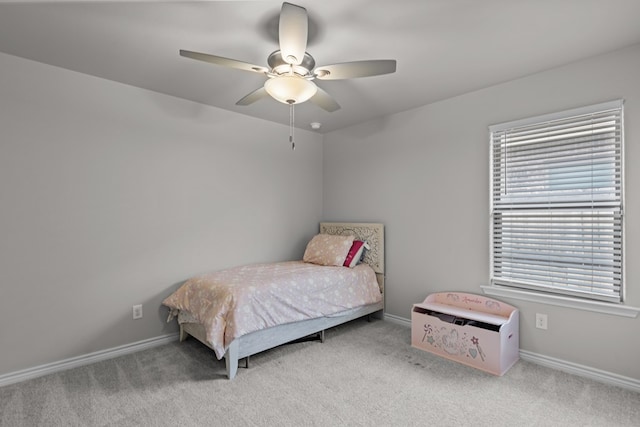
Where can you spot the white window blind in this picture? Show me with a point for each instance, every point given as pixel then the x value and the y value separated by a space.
pixel 557 203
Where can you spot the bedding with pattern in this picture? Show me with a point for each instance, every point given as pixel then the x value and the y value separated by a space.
pixel 237 301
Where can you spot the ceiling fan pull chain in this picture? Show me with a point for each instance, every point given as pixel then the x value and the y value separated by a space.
pixel 291 123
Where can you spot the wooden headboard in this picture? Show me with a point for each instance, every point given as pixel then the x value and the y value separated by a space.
pixel 372 233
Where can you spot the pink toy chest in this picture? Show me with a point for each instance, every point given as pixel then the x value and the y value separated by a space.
pixel 471 329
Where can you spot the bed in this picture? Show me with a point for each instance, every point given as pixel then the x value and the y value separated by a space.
pixel 245 310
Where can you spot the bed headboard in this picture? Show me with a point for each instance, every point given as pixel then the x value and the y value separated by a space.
pixel 372 233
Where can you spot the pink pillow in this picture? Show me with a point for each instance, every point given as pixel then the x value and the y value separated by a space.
pixel 355 253
pixel 327 249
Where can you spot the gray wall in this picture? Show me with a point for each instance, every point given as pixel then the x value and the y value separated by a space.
pixel 111 195
pixel 425 174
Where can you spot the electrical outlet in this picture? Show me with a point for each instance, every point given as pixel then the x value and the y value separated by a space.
pixel 541 321
pixel 137 311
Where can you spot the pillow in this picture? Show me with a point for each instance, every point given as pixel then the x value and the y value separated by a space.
pixel 327 249
pixel 355 253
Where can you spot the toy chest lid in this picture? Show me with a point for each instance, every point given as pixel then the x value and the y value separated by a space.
pixel 470 306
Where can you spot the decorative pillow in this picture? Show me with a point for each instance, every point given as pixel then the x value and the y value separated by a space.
pixel 327 249
pixel 355 253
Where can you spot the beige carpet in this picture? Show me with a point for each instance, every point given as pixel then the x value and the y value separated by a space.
pixel 364 374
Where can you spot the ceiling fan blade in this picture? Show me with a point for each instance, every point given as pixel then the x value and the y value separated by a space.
pixel 254 96
pixel 225 62
pixel 325 101
pixel 350 70
pixel 293 33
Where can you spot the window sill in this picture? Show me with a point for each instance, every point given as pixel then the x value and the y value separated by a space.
pixel 562 301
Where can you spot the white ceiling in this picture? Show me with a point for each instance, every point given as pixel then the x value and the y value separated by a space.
pixel 443 47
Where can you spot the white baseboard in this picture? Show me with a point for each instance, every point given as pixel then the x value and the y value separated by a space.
pixel 559 364
pixel 397 320
pixel 75 362
pixel 582 371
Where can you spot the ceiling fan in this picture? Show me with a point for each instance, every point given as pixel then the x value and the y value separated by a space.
pixel 292 70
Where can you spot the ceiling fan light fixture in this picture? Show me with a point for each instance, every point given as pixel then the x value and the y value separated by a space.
pixel 290 89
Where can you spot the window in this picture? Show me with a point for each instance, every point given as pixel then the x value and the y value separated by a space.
pixel 557 203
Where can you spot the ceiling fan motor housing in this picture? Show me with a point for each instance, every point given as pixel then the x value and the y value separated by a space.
pixel 279 66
